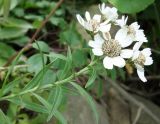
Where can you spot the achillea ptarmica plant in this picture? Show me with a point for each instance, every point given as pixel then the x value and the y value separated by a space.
pixel 115 50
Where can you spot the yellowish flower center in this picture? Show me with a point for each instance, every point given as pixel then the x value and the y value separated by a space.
pixel 140 60
pixel 111 48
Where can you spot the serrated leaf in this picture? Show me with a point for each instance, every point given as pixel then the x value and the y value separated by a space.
pixel 43 46
pixel 88 98
pixel 131 6
pixel 91 78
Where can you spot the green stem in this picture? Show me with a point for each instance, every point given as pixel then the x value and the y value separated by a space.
pixel 68 79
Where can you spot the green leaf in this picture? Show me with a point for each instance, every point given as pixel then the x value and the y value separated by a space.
pixel 54 56
pixel 15 61
pixel 3 5
pixel 88 98
pixel 12 32
pixel 56 101
pixel 67 68
pixel 29 105
pixel 16 23
pixel 71 36
pixel 6 8
pixel 131 6
pixel 43 46
pixel 60 117
pixel 49 77
pixel 6 51
pixel 37 79
pixel 11 85
pixel 91 78
pixel 35 63
pixel 3 118
pixel 79 54
pixel 43 101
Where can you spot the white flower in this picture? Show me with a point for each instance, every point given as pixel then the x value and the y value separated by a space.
pixel 93 24
pixel 130 33
pixel 109 13
pixel 111 49
pixel 140 59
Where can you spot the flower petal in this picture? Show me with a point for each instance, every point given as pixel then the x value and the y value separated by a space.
pixel 119 61
pixel 97 18
pixel 105 28
pixel 88 26
pixel 95 44
pixel 122 38
pixel 87 15
pixel 149 61
pixel 121 34
pixel 140 73
pixel 97 52
pixel 135 26
pixel 98 39
pixel 122 22
pixel 140 36
pixel 135 55
pixel 107 62
pixel 127 41
pixel 126 53
pixel 80 19
pixel 137 46
pixel 146 52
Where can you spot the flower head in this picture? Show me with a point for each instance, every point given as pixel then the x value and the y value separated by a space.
pixel 93 24
pixel 140 59
pixel 130 32
pixel 112 50
pixel 109 13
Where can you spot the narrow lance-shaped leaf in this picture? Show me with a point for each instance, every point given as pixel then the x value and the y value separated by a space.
pixel 43 101
pixel 88 98
pixel 3 118
pixel 56 102
pixel 15 61
pixel 67 66
pixel 6 8
pixel 36 80
pixel 91 78
pixel 29 105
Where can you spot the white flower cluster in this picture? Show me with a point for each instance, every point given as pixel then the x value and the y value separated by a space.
pixel 114 49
